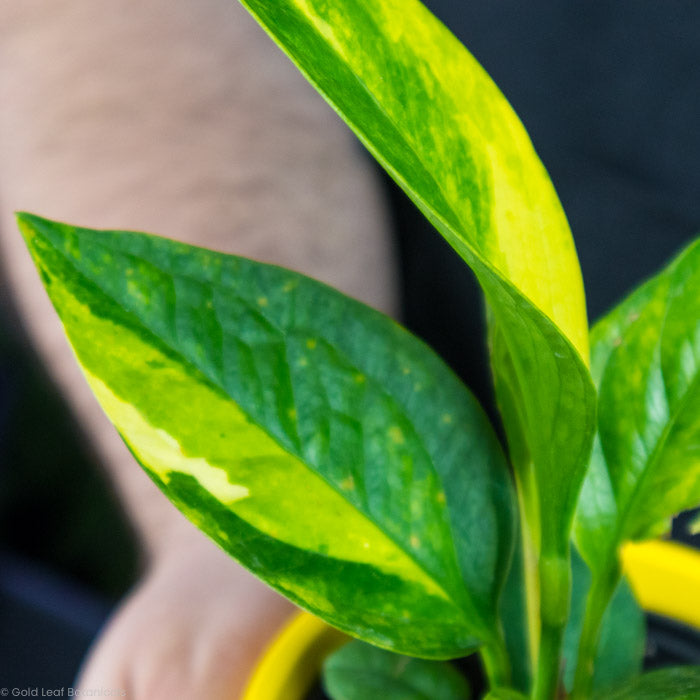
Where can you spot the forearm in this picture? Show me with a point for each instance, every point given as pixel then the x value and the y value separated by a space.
pixel 180 118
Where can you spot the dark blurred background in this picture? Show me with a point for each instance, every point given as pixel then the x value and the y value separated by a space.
pixel 66 552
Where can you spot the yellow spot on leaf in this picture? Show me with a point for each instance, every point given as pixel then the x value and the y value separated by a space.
pixel 135 290
pixel 262 301
pixel 311 343
pixel 360 378
pixel 292 413
pixel 324 28
pixel 303 362
pixel 396 435
pixel 446 418
pixel 415 542
pixel 441 497
pixel 348 484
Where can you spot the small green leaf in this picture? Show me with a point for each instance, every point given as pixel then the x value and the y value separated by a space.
pixel 622 637
pixel 680 683
pixel 645 466
pixel 314 439
pixel 442 129
pixel 359 671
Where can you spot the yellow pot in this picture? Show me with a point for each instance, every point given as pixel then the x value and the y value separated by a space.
pixel 292 662
pixel 664 576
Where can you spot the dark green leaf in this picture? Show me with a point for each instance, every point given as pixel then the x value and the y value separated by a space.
pixel 314 439
pixel 681 683
pixel 359 671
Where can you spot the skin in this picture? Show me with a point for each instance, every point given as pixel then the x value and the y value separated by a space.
pixel 177 117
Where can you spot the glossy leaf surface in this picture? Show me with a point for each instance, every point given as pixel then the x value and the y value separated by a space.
pixel 434 119
pixel 314 439
pixel 359 671
pixel 646 460
pixel 680 683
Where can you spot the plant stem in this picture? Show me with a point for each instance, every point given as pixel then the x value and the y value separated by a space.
pixel 547 675
pixel 530 539
pixel 601 591
pixel 555 595
pixel 496 663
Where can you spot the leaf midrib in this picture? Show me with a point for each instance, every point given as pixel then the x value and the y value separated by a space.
pixel 676 412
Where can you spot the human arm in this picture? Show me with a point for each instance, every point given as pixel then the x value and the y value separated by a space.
pixel 179 118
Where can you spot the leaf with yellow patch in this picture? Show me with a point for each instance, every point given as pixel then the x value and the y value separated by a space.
pixel 297 443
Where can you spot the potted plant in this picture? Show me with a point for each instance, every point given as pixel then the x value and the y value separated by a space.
pixel 338 458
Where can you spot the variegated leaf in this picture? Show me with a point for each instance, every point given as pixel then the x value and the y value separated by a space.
pixel 314 439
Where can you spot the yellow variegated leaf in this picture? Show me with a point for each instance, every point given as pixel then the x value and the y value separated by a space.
pixel 343 463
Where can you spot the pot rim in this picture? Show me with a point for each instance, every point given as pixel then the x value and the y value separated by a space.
pixel 290 664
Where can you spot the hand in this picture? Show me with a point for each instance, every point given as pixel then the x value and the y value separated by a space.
pixel 192 628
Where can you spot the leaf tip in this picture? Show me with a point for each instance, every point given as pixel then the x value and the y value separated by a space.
pixel 24 223
pixel 31 225
pixel 37 232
